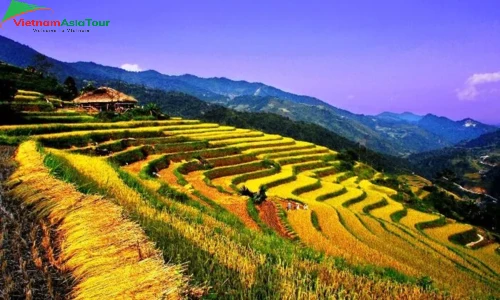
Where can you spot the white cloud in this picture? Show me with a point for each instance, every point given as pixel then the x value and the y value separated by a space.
pixel 131 67
pixel 471 91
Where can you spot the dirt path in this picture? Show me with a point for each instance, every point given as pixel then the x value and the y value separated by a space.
pixel 472 244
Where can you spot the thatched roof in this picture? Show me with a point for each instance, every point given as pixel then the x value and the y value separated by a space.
pixel 104 95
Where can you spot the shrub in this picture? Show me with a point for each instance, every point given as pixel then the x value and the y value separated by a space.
pixel 397 216
pixel 7 90
pixel 260 196
pixel 463 238
pixel 431 224
pixel 233 170
pixel 307 188
pixel 425 282
pixel 376 205
pixel 244 191
pixel 345 166
pixel 315 221
pixel 132 155
pixel 18 106
pixel 254 175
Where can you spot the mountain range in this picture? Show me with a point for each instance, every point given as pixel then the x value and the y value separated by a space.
pixel 390 133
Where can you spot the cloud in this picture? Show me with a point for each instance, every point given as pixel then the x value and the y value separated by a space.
pixel 131 67
pixel 471 90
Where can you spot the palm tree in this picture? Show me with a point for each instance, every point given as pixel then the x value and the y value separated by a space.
pixel 153 109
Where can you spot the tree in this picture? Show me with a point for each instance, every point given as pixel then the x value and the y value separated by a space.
pixel 7 90
pixel 153 109
pixel 70 89
pixel 42 64
pixel 261 196
pixel 89 87
pixel 348 155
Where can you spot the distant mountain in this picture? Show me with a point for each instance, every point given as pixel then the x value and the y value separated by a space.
pixel 406 116
pixel 231 89
pixel 397 138
pixel 395 134
pixel 454 131
pixel 450 131
pixel 486 141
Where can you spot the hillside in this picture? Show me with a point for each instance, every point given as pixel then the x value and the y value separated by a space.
pixel 190 107
pixel 396 138
pixel 473 164
pixel 187 106
pixel 180 180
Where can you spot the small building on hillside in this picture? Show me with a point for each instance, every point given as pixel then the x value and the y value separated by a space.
pixel 106 99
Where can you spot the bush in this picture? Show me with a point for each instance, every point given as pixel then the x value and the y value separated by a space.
pixel 246 192
pixel 137 114
pixel 345 166
pixel 132 155
pixel 355 200
pixel 20 106
pixel 376 205
pixel 7 90
pixel 463 238
pixel 332 195
pixel 364 172
pixel 307 188
pixel 431 224
pixel 425 282
pixel 315 220
pixel 348 155
pixel 260 196
pixel 397 216
pixel 253 175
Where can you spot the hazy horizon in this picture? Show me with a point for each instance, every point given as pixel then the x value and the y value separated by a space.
pixel 440 58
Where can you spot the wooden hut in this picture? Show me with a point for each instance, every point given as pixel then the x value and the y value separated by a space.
pixel 106 99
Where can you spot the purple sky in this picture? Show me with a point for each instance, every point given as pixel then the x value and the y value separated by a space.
pixel 426 56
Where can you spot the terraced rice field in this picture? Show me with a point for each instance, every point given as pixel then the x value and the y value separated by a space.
pixel 178 178
pixel 413 217
pixel 417 184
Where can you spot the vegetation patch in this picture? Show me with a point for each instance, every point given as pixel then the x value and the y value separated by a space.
pixel 131 155
pixel 326 171
pixel 307 188
pixel 397 216
pixel 431 224
pixel 463 238
pixel 234 170
pixel 315 221
pixel 376 205
pixel 354 200
pixel 254 175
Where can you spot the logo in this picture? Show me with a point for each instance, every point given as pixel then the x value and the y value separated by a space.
pixel 17 8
